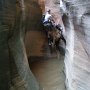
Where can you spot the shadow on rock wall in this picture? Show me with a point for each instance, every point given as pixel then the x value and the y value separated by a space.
pixel 14 20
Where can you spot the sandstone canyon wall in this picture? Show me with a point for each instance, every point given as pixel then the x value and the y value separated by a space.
pixel 15 72
pixel 15 20
pixel 76 17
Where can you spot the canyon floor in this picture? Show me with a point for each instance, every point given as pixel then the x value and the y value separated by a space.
pixel 47 67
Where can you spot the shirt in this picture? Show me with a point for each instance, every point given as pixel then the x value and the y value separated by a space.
pixel 47 16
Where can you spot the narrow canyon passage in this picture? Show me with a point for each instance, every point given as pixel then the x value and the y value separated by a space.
pixel 49 73
pixel 47 67
pixel 26 62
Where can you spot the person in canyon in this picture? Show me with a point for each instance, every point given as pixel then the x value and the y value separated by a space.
pixel 49 23
pixel 47 18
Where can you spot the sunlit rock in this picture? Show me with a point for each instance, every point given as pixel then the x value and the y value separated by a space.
pixel 77 68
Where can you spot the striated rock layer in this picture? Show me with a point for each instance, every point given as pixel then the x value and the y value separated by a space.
pixel 77 62
pixel 15 72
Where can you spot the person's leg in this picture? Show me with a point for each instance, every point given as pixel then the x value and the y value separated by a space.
pixel 63 39
pixel 57 43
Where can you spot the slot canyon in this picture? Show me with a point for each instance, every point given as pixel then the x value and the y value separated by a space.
pixel 26 60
